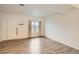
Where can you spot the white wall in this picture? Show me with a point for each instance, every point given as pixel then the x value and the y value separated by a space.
pixel 0 29
pixel 1 26
pixel 64 28
pixel 13 21
pixel 10 22
pixel 4 27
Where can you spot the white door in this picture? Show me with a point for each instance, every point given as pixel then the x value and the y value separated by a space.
pixel 12 29
pixel 16 30
pixel 20 31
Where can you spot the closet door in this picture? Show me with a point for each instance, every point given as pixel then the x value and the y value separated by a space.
pixel 12 25
pixel 20 31
pixel 15 30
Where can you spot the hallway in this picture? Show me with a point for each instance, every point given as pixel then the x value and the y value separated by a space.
pixel 35 46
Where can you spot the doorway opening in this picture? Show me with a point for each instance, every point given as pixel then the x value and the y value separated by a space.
pixel 34 28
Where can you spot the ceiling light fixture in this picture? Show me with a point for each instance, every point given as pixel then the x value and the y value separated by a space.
pixel 21 4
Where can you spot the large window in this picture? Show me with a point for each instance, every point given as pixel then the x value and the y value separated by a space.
pixel 35 26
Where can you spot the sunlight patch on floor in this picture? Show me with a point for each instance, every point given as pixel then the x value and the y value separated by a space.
pixel 35 46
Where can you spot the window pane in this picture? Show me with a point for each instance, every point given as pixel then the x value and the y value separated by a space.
pixel 36 23
pixel 33 23
pixel 35 26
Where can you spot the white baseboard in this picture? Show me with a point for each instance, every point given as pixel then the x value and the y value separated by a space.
pixel 63 42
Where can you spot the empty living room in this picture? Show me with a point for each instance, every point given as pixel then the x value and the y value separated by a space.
pixel 39 28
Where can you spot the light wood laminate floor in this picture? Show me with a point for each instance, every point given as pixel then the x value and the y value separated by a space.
pixel 40 45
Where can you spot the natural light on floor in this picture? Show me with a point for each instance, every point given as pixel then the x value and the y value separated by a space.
pixel 35 46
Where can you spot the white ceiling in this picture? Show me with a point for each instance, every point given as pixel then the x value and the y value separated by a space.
pixel 36 9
